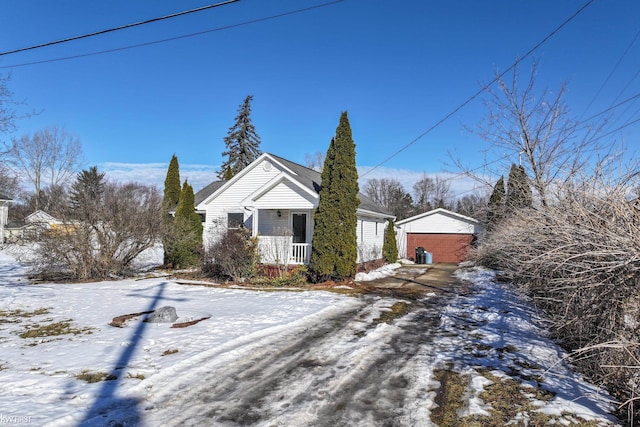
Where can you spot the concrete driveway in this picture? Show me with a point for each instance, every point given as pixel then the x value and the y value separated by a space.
pixel 418 278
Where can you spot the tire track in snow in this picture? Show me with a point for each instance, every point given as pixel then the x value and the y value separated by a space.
pixel 348 369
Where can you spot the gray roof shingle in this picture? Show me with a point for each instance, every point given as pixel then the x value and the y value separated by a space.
pixel 307 177
pixel 205 192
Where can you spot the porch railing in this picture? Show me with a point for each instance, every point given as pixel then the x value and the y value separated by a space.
pixel 300 253
pixel 281 250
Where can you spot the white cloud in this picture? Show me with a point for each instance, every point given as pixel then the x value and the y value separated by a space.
pixel 155 173
pixel 201 175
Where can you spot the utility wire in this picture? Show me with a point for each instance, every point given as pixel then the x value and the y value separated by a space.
pixel 629 123
pixel 483 89
pixel 253 21
pixel 122 27
pixel 455 175
pixel 613 70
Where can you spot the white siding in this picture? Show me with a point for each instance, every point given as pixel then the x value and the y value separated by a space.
pixel 370 233
pixel 230 200
pixel 439 223
pixel 401 241
pixel 4 214
pixel 288 195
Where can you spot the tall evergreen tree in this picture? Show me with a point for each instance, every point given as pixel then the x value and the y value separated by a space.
pixel 186 231
pixel 518 189
pixel 242 143
pixel 390 246
pixel 495 208
pixel 172 184
pixel 169 202
pixel 334 250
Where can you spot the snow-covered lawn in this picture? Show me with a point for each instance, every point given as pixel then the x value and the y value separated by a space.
pixel 38 374
pixel 153 363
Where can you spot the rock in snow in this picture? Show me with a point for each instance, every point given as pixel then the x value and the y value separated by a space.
pixel 163 315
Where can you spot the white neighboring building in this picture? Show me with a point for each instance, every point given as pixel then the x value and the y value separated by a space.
pixel 276 199
pixel 447 235
pixel 4 214
pixel 34 224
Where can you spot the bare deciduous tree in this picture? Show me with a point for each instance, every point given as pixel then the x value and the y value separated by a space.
pixel 50 157
pixel 423 193
pixel 430 193
pixel 277 249
pixel 442 196
pixel 314 161
pixel 473 205
pixel 53 200
pixel 123 223
pixel 533 127
pixel 390 193
pixel 9 183
pixel 579 259
pixel 8 114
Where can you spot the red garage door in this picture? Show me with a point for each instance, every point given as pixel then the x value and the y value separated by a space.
pixel 444 247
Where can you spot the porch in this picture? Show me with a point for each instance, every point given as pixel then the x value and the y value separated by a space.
pixel 284 236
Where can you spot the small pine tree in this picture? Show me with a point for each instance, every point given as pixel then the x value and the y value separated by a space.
pixel 86 194
pixel 334 250
pixel 186 211
pixel 390 246
pixel 495 207
pixel 242 143
pixel 518 189
pixel 227 174
pixel 186 231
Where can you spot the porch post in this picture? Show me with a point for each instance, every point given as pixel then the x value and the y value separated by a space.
pixel 254 222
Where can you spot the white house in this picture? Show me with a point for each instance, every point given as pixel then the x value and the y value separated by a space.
pixel 34 224
pixel 4 214
pixel 446 235
pixel 276 199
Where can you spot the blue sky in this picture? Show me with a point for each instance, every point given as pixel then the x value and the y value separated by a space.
pixel 397 67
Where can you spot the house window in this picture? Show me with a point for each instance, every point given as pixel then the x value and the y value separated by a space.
pixel 235 220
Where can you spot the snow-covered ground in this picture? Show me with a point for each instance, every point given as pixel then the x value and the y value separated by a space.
pixel 264 358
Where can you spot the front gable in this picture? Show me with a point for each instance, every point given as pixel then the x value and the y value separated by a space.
pixel 440 221
pixel 283 191
pixel 40 217
pixel 263 169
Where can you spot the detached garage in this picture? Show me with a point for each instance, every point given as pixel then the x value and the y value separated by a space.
pixel 447 235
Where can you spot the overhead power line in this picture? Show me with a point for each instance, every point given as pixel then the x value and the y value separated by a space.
pixel 483 89
pixel 121 27
pixel 584 122
pixel 226 27
pixel 611 73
